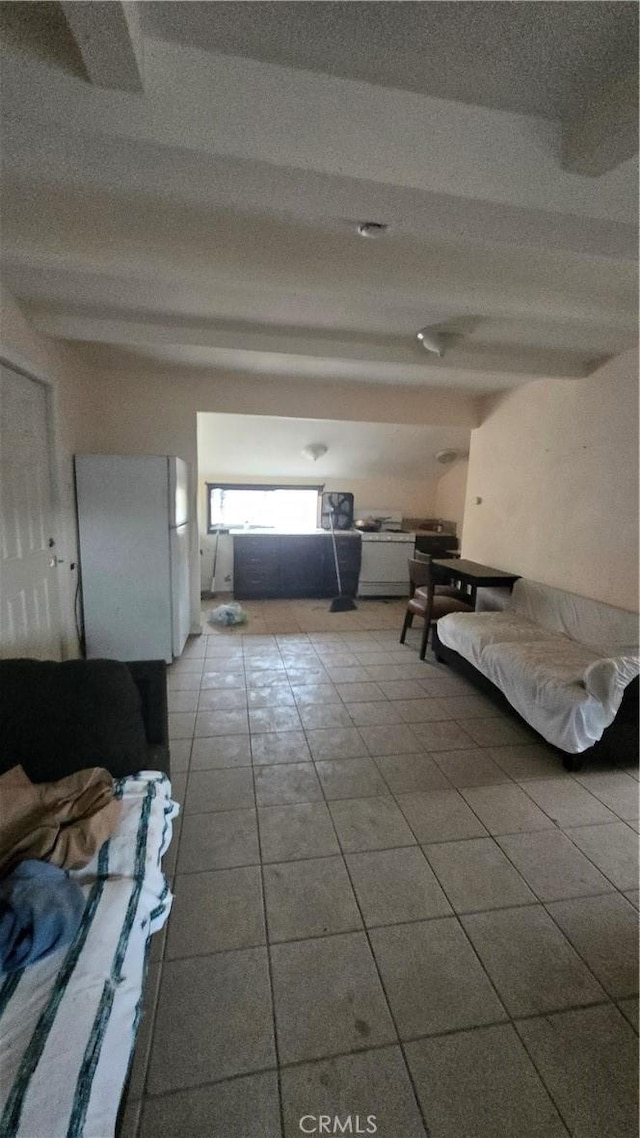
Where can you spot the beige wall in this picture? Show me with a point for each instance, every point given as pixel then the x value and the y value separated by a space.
pixel 556 466
pixel 451 492
pixel 64 374
pixel 203 389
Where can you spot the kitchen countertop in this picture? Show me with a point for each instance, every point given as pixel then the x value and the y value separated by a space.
pixel 293 533
pixel 402 536
pixel 385 535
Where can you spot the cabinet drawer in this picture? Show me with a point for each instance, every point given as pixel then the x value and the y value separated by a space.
pixel 256 568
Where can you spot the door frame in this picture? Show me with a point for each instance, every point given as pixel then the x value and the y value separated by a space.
pixel 23 366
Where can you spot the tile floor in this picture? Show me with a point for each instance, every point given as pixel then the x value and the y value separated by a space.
pixel 390 900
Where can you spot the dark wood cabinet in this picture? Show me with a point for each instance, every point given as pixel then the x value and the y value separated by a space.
pixel 293 565
pixel 301 566
pixel 256 567
pixel 437 544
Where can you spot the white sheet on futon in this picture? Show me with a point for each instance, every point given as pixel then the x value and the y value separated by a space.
pixel 68 1024
pixel 568 691
pixel 610 631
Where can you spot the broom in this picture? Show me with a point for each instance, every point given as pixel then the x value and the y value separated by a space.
pixel 339 603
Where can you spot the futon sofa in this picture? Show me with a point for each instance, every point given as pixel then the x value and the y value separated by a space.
pixel 568 665
pixel 68 1023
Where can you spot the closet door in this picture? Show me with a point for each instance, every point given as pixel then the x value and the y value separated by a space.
pixel 29 600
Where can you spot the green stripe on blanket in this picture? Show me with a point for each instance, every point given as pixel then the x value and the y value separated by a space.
pixel 94 1044
pixel 11 1116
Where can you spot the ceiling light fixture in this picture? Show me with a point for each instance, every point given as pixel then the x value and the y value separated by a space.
pixel 432 341
pixel 314 451
pixel 372 228
pixel 447 456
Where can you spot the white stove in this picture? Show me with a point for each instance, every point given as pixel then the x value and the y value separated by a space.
pixel 384 571
pixel 402 537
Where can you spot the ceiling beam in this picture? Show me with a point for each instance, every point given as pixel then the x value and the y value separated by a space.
pixel 259 187
pixel 110 41
pixel 250 111
pixel 604 131
pixel 223 341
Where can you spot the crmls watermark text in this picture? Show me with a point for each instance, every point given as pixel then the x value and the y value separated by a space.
pixel 333 1124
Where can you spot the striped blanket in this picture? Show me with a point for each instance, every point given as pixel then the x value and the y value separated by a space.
pixel 68 1024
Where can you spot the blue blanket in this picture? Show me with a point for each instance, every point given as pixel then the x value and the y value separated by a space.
pixel 40 911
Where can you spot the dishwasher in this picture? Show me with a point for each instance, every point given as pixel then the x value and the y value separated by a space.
pixel 383 570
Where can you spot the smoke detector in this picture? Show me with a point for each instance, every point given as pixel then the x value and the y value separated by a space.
pixel 372 228
pixel 432 340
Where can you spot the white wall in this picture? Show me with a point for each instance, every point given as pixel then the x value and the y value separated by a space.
pixel 64 374
pixel 451 493
pixel 556 466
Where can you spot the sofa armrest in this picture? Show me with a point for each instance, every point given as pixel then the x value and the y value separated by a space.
pixel 150 678
pixel 607 678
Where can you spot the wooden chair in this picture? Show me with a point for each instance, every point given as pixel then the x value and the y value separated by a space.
pixel 426 603
pixel 449 590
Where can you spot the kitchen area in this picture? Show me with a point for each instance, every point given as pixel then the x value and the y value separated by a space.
pixel 372 557
pixel 390 542
pixel 270 538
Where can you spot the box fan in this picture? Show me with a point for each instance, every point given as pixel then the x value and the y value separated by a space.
pixel 342 506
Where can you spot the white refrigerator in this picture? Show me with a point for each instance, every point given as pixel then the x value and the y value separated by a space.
pixel 133 526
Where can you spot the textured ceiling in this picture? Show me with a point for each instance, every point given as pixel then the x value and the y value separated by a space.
pixel 271 447
pixel 208 218
pixel 530 57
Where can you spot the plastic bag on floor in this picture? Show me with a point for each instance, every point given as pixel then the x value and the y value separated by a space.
pixel 231 613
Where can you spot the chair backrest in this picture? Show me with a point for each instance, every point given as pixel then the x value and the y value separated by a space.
pixel 420 575
pixel 424 557
pixel 444 553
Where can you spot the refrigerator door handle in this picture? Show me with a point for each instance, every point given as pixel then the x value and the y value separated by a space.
pixel 178 473
pixel 180 595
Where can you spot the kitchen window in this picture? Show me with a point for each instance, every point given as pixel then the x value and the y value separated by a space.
pixel 292 508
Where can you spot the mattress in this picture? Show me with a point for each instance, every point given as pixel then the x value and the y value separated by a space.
pixel 68 1024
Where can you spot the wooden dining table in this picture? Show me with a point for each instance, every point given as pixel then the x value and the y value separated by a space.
pixel 471 574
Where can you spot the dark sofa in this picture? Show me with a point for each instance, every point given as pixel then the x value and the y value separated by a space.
pixel 57 718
